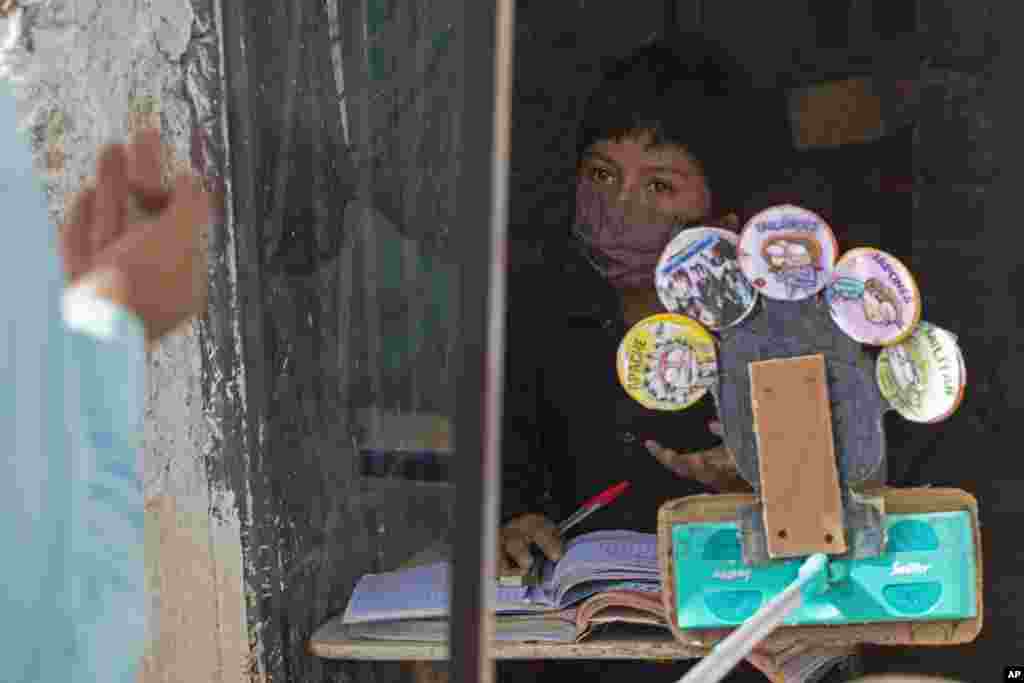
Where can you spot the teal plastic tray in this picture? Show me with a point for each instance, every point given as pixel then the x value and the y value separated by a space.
pixel 927 573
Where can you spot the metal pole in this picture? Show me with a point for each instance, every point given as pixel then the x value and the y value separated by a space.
pixel 485 40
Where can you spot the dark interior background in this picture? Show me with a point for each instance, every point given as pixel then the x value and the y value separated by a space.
pixel 925 191
pixel 921 192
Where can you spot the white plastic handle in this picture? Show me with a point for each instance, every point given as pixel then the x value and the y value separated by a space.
pixel 728 653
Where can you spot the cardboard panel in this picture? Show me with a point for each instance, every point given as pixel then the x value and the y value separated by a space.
pixel 836 113
pixel 803 511
pixel 722 508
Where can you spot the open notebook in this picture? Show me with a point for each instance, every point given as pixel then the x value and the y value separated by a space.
pixel 604 577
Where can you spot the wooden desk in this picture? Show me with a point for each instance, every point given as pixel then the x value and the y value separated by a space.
pixel 331 641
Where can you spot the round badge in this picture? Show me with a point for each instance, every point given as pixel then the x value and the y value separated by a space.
pixel 788 253
pixel 667 362
pixel 699 276
pixel 963 384
pixel 873 298
pixel 923 377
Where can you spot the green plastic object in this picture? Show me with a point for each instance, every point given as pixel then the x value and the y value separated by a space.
pixel 927 573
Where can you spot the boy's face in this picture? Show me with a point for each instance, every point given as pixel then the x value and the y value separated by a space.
pixel 665 178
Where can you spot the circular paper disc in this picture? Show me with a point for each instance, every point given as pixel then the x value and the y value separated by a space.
pixel 963 384
pixel 788 253
pixel 873 298
pixel 923 377
pixel 667 362
pixel 699 276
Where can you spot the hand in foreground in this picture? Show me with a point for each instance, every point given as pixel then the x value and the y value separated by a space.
pixel 715 467
pixel 136 243
pixel 514 541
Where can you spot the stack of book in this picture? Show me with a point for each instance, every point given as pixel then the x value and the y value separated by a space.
pixel 604 577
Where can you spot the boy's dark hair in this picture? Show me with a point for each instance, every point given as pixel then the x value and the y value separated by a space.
pixel 690 92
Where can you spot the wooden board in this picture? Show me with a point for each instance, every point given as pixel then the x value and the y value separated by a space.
pixel 836 113
pixel 803 510
pixel 331 641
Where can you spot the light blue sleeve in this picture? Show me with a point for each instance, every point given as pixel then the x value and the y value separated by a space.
pixel 72 603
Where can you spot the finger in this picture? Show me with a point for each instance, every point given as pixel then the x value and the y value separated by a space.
pixel 712 468
pixel 145 176
pixel 716 469
pixel 189 209
pixel 504 566
pixel 75 243
pixel 111 198
pixel 546 536
pixel 191 200
pixel 670 459
pixel 185 222
pixel 507 568
pixel 686 466
pixel 144 157
pixel 519 550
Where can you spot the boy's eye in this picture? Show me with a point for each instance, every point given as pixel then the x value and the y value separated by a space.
pixel 600 175
pixel 659 187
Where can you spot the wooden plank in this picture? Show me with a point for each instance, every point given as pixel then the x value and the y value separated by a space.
pixel 803 511
pixel 836 113
pixel 331 641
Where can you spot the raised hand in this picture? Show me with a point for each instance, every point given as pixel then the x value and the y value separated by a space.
pixel 136 242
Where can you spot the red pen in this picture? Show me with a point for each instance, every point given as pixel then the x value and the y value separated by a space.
pixel 599 501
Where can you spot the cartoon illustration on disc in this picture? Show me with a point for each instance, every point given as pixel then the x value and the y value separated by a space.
pixel 787 253
pixel 667 362
pixel 873 298
pixel 923 377
pixel 699 276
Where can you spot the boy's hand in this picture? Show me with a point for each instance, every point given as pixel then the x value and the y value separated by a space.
pixel 715 467
pixel 138 243
pixel 514 541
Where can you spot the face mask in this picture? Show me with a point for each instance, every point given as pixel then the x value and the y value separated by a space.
pixel 624 240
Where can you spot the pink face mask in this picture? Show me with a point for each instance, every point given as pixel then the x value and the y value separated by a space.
pixel 623 241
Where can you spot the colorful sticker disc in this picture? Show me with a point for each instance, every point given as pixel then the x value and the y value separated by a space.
pixel 923 377
pixel 873 298
pixel 699 276
pixel 963 384
pixel 667 362
pixel 788 253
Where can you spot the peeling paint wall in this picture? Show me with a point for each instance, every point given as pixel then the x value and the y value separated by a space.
pixel 89 71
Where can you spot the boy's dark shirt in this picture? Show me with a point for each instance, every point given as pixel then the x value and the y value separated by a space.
pixel 570 430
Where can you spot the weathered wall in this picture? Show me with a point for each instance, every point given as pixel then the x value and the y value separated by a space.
pixel 93 70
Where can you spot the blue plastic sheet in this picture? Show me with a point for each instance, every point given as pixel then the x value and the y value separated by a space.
pixel 72 603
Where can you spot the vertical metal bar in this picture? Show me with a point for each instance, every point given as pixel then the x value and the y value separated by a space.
pixel 412 253
pixel 486 50
pixel 671 19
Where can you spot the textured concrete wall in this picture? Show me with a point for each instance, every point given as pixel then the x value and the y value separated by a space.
pixel 90 71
